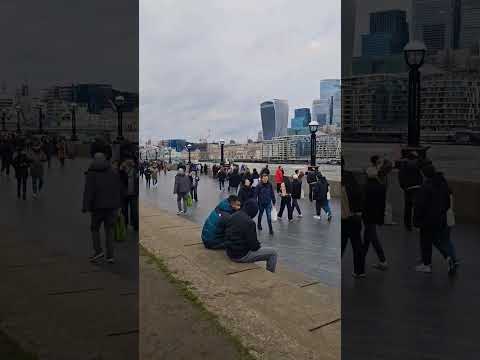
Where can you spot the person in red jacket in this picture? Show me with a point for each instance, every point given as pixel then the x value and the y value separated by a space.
pixel 279 177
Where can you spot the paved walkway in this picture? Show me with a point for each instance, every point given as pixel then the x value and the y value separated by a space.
pixel 306 245
pixel 401 314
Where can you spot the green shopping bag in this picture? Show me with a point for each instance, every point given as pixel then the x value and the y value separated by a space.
pixel 189 201
pixel 120 230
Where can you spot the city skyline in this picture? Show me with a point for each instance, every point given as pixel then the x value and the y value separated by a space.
pixel 230 61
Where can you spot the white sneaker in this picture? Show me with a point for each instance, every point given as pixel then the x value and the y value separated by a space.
pixel 424 268
pixel 300 215
pixel 381 266
pixel 179 212
pixel 317 217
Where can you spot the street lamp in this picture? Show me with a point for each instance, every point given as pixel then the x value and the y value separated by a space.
pixel 40 118
pixel 119 101
pixel 4 115
pixel 414 53
pixel 222 159
pixel 189 148
pixel 313 126
pixel 169 155
pixel 18 109
pixel 156 154
pixel 73 108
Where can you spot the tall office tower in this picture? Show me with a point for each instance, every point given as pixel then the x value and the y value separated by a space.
pixel 433 23
pixel 470 23
pixel 329 88
pixel 388 33
pixel 302 118
pixel 274 115
pixel 348 35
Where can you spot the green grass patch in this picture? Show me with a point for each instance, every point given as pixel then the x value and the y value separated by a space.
pixel 186 289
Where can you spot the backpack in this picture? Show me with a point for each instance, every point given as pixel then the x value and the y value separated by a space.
pixel 211 233
pixel 320 189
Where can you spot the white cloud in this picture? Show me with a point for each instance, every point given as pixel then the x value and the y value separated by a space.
pixel 208 65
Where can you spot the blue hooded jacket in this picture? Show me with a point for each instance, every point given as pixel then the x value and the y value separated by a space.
pixel 213 232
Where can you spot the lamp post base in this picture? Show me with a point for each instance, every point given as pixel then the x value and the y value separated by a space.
pixel 420 150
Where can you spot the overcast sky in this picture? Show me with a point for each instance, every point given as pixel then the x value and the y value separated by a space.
pixel 54 42
pixel 209 64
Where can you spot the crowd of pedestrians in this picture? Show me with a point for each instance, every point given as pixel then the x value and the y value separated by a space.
pixel 428 207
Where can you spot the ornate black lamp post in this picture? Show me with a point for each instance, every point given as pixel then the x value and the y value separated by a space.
pixel 18 109
pixel 414 56
pixel 4 115
pixel 189 148
pixel 313 126
pixel 222 158
pixel 119 102
pixel 73 109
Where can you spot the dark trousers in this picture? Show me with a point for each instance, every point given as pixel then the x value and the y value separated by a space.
pixel 148 180
pixel 194 193
pixel 351 230
pixel 37 184
pixel 130 211
pixel 221 184
pixel 409 199
pixel 278 187
pixel 310 192
pixel 370 235
pixel 286 201
pixel 107 217
pixel 438 237
pixel 22 186
pixel 296 206
pixel 6 165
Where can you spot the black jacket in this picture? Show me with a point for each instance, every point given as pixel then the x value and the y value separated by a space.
pixel 374 205
pixel 320 189
pixel 431 203
pixel 241 234
pixel 296 189
pixel 235 179
pixel 246 193
pixel 410 174
pixel 103 187
pixel 21 163
pixel 353 190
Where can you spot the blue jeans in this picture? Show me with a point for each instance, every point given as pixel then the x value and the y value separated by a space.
pixel 268 209
pixel 263 254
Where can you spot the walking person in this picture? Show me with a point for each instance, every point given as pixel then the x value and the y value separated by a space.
pixel 61 152
pixel 6 152
pixel 320 190
pixel 21 163
pixel 154 171
pixel 296 195
pixel 37 157
pixel 241 240
pixel 266 201
pixel 221 175
pixel 148 175
pixel 410 179
pixel 234 181
pixel 194 179
pixel 351 223
pixel 255 177
pixel 103 199
pixel 246 192
pixel 278 177
pixel 374 215
pixel 182 188
pixel 129 177
pixel 312 177
pixel 286 198
pixel 432 203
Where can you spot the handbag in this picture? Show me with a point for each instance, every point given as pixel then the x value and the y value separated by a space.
pixel 450 217
pixel 189 200
pixel 120 230
pixel 274 214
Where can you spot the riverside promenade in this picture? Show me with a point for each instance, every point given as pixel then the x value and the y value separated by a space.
pixel 292 314
pixel 306 245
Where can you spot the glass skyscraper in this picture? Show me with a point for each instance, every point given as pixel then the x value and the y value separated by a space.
pixel 274 115
pixel 302 118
